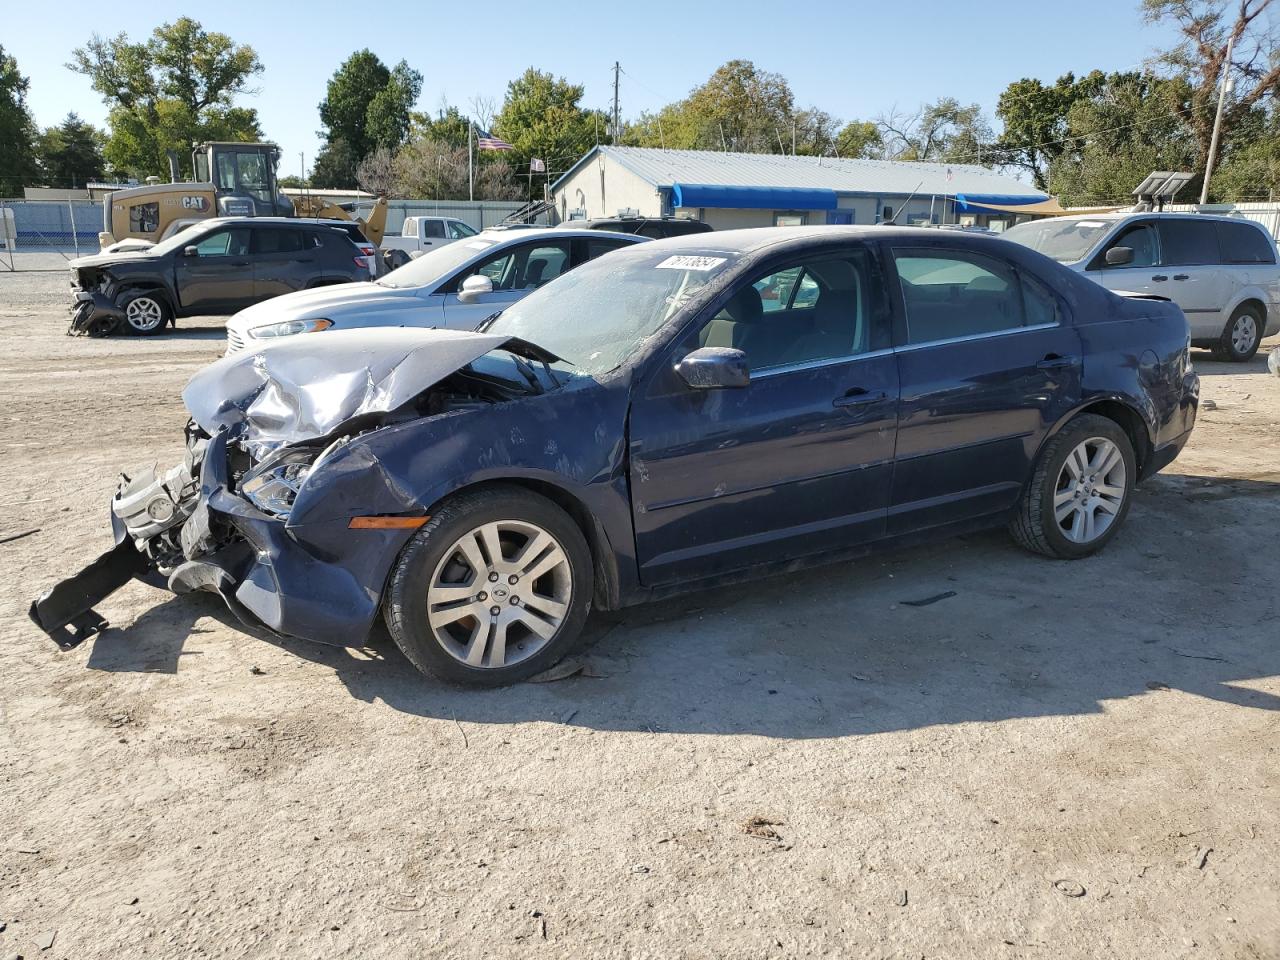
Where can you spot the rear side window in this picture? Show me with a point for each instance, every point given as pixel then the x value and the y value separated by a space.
pixel 433 229
pixel 1189 242
pixel 273 240
pixel 596 248
pixel 1244 243
pixel 953 294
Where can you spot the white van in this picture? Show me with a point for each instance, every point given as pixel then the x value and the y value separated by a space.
pixel 1221 271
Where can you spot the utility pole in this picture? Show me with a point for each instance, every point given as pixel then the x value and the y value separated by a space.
pixel 617 126
pixel 1217 121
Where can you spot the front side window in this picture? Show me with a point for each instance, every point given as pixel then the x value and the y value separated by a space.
pixel 224 243
pixel 596 248
pixel 1189 242
pixel 953 294
pixel 823 308
pixel 226 173
pixel 1141 239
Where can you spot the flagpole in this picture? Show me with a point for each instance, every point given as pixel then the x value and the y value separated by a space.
pixel 471 174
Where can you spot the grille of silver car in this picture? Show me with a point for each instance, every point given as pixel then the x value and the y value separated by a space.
pixel 234 343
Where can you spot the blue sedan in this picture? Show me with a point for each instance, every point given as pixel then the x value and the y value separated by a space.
pixel 672 415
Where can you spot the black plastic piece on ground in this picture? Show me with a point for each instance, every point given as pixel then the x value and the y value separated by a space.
pixel 70 603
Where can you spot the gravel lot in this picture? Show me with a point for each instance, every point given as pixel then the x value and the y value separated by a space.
pixel 1062 760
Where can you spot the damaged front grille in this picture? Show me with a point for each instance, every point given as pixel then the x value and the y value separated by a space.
pixel 235 342
pixel 154 506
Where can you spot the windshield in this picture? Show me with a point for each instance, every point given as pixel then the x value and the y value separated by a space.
pixel 1064 240
pixel 436 264
pixel 180 239
pixel 599 314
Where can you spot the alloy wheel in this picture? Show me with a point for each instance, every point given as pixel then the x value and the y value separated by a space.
pixel 143 314
pixel 1090 490
pixel 1243 333
pixel 500 594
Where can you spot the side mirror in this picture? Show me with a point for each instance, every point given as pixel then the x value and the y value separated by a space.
pixel 714 368
pixel 190 252
pixel 473 287
pixel 1119 256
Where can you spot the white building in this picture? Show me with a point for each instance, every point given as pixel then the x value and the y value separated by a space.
pixel 751 189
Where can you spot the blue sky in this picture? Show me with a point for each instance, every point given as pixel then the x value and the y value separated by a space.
pixel 853 59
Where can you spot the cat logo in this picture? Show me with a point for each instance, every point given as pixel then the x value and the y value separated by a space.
pixel 193 203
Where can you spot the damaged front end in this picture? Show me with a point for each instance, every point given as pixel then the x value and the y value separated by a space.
pixel 93 310
pixel 265 426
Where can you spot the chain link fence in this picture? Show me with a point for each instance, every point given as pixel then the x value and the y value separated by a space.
pixel 45 234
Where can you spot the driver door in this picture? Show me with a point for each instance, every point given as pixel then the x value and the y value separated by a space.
pixel 1143 274
pixel 798 462
pixel 219 278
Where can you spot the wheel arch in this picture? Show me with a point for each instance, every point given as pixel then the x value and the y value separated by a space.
pixel 147 286
pixel 604 562
pixel 1121 412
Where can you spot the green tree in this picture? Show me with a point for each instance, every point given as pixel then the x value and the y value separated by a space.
pixel 740 108
pixel 366 106
pixel 70 154
pixel 542 117
pixel 391 108
pixel 448 126
pixel 859 140
pixel 1035 122
pixel 335 166
pixel 17 130
pixel 344 112
pixel 1125 126
pixel 1200 59
pixel 177 88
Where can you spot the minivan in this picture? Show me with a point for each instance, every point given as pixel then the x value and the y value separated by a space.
pixel 1221 271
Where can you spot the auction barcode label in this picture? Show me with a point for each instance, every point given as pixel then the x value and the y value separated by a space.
pixel 691 263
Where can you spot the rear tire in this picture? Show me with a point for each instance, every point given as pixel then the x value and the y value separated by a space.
pixel 146 312
pixel 495 588
pixel 1241 336
pixel 1079 492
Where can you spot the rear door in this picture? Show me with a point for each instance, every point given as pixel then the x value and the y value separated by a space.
pixel 1197 281
pixel 219 277
pixel 284 260
pixel 988 362
pixel 514 271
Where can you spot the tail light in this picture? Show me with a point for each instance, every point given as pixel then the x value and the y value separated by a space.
pixel 361 262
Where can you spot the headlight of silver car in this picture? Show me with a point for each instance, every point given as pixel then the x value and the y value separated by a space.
pixel 289 327
pixel 273 484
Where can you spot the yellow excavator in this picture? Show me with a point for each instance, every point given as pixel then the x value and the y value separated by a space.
pixel 231 180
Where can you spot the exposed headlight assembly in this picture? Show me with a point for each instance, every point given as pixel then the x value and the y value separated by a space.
pixel 273 484
pixel 289 327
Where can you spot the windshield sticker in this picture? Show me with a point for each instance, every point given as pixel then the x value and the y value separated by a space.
pixel 685 262
pixel 480 244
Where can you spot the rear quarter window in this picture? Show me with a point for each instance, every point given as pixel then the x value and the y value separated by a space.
pixel 1244 243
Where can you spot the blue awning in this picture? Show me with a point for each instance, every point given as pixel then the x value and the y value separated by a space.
pixel 752 198
pixel 971 201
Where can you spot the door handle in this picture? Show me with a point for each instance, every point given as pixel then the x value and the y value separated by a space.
pixel 304 260
pixel 239 263
pixel 1181 276
pixel 856 396
pixel 1159 278
pixel 1055 362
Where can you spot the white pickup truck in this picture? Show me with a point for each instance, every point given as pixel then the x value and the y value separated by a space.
pixel 420 234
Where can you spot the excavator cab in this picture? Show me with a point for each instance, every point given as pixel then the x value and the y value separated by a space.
pixel 243 177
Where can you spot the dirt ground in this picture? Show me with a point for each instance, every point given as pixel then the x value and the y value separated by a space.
pixel 1061 760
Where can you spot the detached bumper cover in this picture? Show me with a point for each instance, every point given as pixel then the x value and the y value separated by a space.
pixel 317 581
pixel 93 313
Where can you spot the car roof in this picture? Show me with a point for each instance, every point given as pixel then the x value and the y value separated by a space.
pixel 752 239
pixel 555 233
pixel 1118 215
pixel 278 221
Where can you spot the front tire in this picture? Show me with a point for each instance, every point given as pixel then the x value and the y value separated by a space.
pixel 1241 336
pixel 146 313
pixel 495 588
pixel 1079 492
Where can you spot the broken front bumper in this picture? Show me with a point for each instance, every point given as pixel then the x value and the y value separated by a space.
pixel 319 581
pixel 93 314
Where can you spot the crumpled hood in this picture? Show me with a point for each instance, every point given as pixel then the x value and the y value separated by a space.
pixel 112 259
pixel 314 303
pixel 303 388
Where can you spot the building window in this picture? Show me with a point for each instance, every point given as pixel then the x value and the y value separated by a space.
pixel 790 219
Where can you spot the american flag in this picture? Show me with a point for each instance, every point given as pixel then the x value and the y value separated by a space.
pixel 487 141
pixel 537 166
